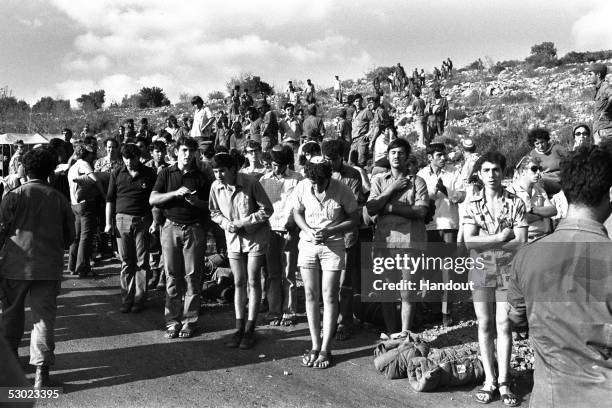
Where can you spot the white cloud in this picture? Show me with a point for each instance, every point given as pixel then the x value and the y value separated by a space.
pixel 592 30
pixel 195 46
pixel 34 23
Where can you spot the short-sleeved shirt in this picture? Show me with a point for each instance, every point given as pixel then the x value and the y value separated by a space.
pixel 352 179
pixel 330 210
pixel 542 226
pixel 446 215
pixel 237 143
pixel 280 189
pixel 551 161
pixel 256 172
pixel 392 229
pixel 418 108
pixel 247 202
pixel 107 165
pixel 131 195
pixel 361 123
pixel 496 261
pixel 602 115
pixel 344 129
pixel 313 128
pixel 78 169
pixel 201 118
pixel 178 209
pixel 291 129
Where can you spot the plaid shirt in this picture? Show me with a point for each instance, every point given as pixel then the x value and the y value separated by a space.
pixel 496 261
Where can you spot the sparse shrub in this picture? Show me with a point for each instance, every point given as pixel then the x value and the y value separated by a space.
pixel 511 142
pixel 91 101
pixel 457 114
pixel 544 54
pixel 253 83
pixel 47 104
pixel 587 56
pixel 516 97
pixel 153 97
pixel 474 98
pixel 552 111
pixel 216 95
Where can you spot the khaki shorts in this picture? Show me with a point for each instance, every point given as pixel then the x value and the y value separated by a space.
pixel 327 257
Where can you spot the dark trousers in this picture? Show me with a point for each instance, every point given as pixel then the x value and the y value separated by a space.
pixel 133 243
pixel 43 306
pixel 350 284
pixel 184 248
pixel 85 222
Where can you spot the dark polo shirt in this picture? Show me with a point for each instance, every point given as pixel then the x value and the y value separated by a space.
pixel 178 210
pixel 131 195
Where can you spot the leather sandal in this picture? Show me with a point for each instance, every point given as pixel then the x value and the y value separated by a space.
pixel 509 399
pixel 485 396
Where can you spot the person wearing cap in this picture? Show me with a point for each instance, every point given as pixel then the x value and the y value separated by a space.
pixel 469 159
pixel 324 209
pixel 281 258
pixel 362 118
pixel 203 120
pixel 239 204
pixel 602 115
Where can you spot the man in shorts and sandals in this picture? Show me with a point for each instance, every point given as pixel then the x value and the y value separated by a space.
pixel 494 226
pixel 324 209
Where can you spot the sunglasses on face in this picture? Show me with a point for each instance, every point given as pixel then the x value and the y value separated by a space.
pixel 250 151
pixel 535 169
pixel 581 134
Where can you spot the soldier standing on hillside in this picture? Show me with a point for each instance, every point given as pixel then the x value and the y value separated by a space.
pixel 602 120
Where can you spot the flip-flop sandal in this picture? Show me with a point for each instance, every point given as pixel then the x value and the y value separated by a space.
pixel 309 357
pixel 186 333
pixel 508 397
pixel 324 357
pixel 342 333
pixel 172 333
pixel 287 321
pixel 275 322
pixel 487 395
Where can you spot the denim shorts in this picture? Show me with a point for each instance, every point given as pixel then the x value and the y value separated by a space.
pixel 327 257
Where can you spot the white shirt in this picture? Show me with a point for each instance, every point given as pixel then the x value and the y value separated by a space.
pixel 201 118
pixel 78 169
pixel 447 210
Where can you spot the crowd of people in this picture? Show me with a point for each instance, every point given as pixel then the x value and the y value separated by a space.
pixel 279 194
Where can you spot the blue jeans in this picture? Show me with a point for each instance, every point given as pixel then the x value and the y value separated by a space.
pixel 85 223
pixel 184 248
pixel 133 244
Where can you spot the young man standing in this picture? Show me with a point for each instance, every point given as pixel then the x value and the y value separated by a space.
pixel 445 189
pixel 128 201
pixel 181 190
pixel 361 129
pixel 602 117
pixel 158 277
pixel 420 119
pixel 561 285
pixel 35 219
pixel 400 201
pixel 494 225
pixel 350 278
pixel 338 89
pixel 281 258
pixel 203 119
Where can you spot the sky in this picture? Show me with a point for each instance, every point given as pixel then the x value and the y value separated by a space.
pixel 64 48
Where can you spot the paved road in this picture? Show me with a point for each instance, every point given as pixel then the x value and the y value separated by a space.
pixel 109 359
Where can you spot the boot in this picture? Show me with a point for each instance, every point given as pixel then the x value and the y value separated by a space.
pixel 152 283
pixel 41 379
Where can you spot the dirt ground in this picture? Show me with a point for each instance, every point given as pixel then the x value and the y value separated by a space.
pixel 108 359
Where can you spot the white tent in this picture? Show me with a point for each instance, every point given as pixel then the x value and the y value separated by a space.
pixel 28 138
